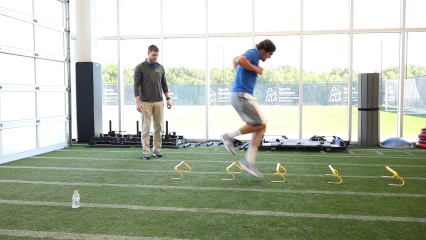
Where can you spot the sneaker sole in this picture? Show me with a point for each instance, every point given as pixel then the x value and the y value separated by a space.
pixel 258 175
pixel 230 150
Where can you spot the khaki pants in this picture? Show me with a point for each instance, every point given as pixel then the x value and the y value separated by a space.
pixel 151 110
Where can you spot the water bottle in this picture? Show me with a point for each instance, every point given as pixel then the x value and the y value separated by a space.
pixel 75 199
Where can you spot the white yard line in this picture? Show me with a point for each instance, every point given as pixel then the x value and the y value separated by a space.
pixel 222 161
pixel 192 172
pixel 375 194
pixel 65 235
pixel 223 211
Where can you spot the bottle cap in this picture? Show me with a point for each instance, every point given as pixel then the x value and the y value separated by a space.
pixel 76 191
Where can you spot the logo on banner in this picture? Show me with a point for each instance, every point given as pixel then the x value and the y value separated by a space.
pixel 335 95
pixel 271 95
pixel 212 95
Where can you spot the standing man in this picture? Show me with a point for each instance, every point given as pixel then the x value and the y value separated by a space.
pixel 149 85
pixel 242 99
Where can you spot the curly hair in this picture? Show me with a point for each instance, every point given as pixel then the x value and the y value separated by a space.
pixel 266 45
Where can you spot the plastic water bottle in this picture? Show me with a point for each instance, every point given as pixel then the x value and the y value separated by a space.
pixel 75 199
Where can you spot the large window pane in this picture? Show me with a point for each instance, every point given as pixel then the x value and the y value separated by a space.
pixel 415 86
pixel 107 51
pixel 106 12
pixel 222 51
pixel 49 41
pixel 415 10
pixel 21 6
pixel 223 17
pixel 379 53
pixel 134 52
pixel 278 86
pixel 325 77
pixel 12 66
pixel 185 71
pixel 325 14
pixel 376 14
pixel 16 33
pixel 50 73
pixel 50 11
pixel 277 15
pixel 141 17
pixel 178 21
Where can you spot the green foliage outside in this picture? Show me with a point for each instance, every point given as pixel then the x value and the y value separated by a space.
pixel 279 74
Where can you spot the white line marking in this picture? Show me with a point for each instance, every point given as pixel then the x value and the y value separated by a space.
pixel 171 171
pixel 224 211
pixel 379 153
pixel 227 162
pixel 65 235
pixel 218 188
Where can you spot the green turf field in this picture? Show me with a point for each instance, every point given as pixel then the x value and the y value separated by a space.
pixel 125 196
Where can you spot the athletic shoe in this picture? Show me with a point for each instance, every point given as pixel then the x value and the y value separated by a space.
pixel 228 143
pixel 146 156
pixel 246 166
pixel 157 154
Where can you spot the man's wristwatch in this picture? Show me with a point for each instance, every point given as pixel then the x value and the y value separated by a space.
pixel 167 99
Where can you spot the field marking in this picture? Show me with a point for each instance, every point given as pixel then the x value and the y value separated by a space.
pixel 171 171
pixel 65 235
pixel 222 161
pixel 379 153
pixel 139 150
pixel 196 188
pixel 223 211
pixel 390 155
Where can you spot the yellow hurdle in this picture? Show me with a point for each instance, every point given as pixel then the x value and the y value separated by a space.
pixel 231 172
pixel 395 174
pixel 180 171
pixel 336 174
pixel 277 171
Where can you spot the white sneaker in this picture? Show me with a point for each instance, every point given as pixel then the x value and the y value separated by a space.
pixel 228 143
pixel 246 166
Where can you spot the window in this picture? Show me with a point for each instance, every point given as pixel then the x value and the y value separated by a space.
pixel 325 77
pixel 325 14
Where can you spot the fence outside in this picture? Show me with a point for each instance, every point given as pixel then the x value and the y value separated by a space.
pixel 322 94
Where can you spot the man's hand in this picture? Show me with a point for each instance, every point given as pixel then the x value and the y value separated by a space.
pixel 246 64
pixel 258 70
pixel 169 104
pixel 139 107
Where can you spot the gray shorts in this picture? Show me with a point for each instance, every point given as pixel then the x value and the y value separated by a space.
pixel 247 107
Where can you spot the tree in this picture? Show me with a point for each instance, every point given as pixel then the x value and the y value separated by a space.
pixel 274 74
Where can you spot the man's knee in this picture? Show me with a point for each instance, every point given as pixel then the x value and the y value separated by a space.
pixel 260 127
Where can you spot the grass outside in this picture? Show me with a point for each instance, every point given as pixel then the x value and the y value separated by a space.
pixel 125 196
pixel 190 121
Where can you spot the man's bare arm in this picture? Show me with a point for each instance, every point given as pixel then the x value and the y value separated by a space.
pixel 246 64
pixel 234 63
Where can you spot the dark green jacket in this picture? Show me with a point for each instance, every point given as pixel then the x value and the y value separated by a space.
pixel 150 84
